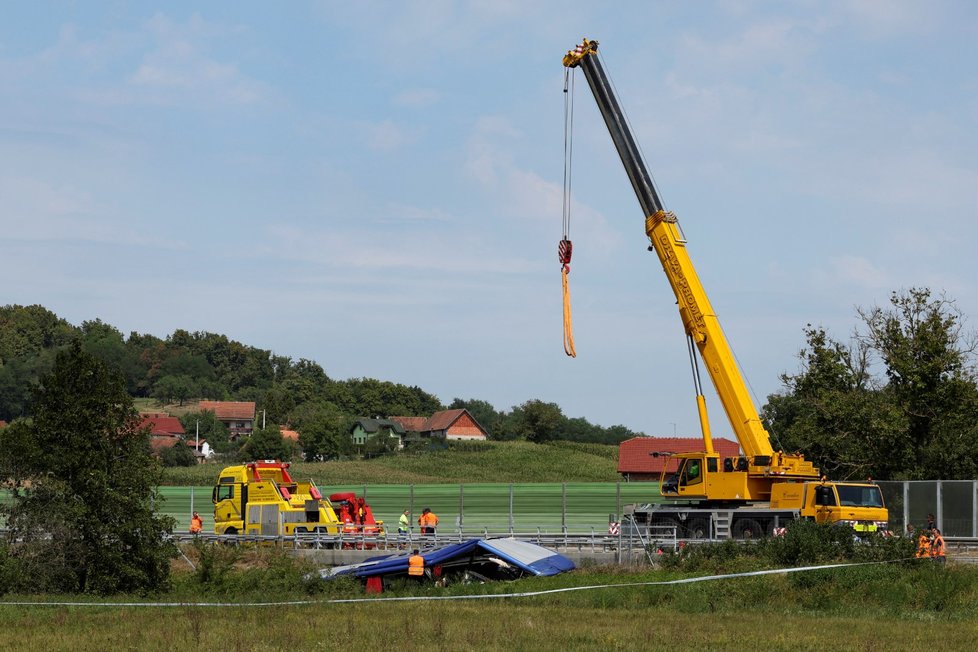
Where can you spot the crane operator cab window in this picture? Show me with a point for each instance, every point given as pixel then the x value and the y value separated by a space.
pixel 692 471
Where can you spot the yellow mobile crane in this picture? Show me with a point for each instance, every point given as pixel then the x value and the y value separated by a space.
pixel 744 496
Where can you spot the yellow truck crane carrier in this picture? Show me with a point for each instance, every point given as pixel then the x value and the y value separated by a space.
pixel 262 498
pixel 708 495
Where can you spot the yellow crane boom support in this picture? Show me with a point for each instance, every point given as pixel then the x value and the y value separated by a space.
pixel 698 317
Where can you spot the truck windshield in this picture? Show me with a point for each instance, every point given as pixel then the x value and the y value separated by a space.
pixel 859 496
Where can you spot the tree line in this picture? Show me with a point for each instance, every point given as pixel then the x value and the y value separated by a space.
pixel 187 366
pixel 898 401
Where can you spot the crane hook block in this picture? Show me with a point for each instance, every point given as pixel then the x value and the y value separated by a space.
pixel 564 251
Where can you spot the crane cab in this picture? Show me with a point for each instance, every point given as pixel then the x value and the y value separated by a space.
pixel 702 476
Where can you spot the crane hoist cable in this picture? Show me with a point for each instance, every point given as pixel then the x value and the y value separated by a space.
pixel 565 248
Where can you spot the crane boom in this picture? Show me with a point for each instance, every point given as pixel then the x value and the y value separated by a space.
pixel 698 317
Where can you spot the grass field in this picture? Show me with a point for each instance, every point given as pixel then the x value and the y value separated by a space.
pixel 892 607
pixel 507 461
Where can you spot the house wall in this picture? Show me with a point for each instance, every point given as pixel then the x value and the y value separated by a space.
pixel 465 428
pixel 359 435
pixel 238 427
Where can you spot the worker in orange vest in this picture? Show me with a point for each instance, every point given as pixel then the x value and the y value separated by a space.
pixel 196 524
pixel 416 564
pixel 923 545
pixel 428 521
pixel 938 551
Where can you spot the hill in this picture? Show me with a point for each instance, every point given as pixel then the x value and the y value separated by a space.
pixel 171 374
pixel 515 461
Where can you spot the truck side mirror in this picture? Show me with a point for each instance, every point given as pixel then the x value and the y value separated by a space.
pixel 823 496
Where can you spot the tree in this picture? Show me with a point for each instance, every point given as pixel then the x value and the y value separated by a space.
pixel 210 429
pixel 913 420
pixel 84 518
pixel 267 444
pixel 928 358
pixel 833 412
pixel 537 421
pixel 170 388
pixel 27 330
pixel 17 378
pixel 324 431
pixel 178 455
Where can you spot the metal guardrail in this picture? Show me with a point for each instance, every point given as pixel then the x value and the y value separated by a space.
pixel 563 540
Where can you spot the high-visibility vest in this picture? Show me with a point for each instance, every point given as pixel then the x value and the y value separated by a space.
pixel 416 565
pixel 429 520
pixel 923 546
pixel 937 548
pixel 196 525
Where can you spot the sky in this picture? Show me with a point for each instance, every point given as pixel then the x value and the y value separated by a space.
pixel 377 186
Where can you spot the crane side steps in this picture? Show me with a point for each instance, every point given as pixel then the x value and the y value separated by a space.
pixel 721 524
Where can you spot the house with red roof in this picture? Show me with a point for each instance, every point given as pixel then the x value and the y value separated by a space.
pixel 164 431
pixel 643 458
pixel 446 425
pixel 238 416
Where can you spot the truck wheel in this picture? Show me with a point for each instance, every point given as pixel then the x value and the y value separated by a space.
pixel 698 528
pixel 747 528
pixel 661 523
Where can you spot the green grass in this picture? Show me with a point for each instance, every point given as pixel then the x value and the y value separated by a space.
pixel 516 461
pixel 893 607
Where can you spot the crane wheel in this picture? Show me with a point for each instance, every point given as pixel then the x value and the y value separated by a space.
pixel 747 528
pixel 697 528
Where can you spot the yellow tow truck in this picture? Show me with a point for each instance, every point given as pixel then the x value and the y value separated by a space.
pixel 262 498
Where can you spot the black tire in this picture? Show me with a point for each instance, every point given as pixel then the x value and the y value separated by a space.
pixel 664 522
pixel 697 528
pixel 747 528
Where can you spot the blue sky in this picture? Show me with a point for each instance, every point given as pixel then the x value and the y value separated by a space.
pixel 376 186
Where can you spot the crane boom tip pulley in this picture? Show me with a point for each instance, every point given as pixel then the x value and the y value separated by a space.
pixel 573 57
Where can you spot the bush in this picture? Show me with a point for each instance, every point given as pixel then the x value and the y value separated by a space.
pixel 178 455
pixel 240 572
pixel 804 543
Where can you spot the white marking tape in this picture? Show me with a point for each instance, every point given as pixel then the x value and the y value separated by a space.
pixel 487 596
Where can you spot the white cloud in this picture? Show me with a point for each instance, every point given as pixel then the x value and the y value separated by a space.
pixel 178 70
pixel 849 270
pixel 889 18
pixel 387 136
pixel 417 97
pixel 525 196
pixel 417 249
pixel 36 210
